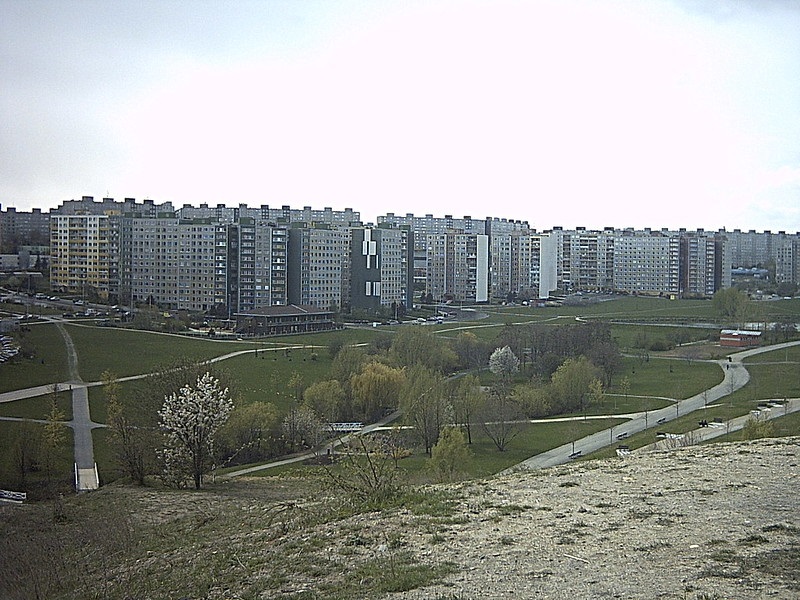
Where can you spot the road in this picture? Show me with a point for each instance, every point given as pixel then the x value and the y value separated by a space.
pixel 736 377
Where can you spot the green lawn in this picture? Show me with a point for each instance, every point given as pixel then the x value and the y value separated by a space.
pixel 126 352
pixel 673 378
pixel 48 364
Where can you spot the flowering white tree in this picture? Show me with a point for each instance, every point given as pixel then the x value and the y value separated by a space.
pixel 503 362
pixel 190 420
pixel 501 411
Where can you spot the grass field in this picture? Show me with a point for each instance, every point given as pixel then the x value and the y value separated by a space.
pixel 655 380
pixel 48 364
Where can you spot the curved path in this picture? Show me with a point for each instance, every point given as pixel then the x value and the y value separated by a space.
pixel 86 475
pixel 736 377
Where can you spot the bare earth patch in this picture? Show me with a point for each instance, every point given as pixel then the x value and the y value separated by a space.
pixel 717 521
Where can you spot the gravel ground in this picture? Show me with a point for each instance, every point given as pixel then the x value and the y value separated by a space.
pixel 717 521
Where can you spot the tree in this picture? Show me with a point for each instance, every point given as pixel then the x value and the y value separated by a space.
pixel 326 398
pixel 471 352
pixel 25 450
pixel 296 386
pixel 596 392
pixel 730 302
pixel 534 400
pixel 347 362
pixel 503 363
pixel 249 433
pixel 606 357
pixel 376 388
pixel 190 420
pixel 418 346
pixel 467 401
pixel 624 388
pixel 128 440
pixel 500 419
pixel 54 436
pixel 501 412
pixel 570 384
pixel 450 455
pixel 366 472
pixel 301 427
pixel 424 404
pixel 754 429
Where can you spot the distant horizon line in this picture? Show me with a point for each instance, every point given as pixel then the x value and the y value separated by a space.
pixel 364 222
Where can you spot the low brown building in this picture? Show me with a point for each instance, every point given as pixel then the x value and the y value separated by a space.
pixel 283 320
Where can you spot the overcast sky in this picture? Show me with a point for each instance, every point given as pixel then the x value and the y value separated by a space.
pixel 640 113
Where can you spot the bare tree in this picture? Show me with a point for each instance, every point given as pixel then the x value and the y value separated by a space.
pixel 366 473
pixel 425 404
pixel 467 400
pixel 500 419
pixel 130 442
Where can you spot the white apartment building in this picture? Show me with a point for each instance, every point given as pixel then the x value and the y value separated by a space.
pixel 646 262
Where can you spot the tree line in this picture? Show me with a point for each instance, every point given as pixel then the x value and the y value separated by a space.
pixel 465 383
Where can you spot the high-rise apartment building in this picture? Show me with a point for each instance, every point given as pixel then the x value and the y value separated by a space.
pixel 458 267
pixel 523 265
pixel 20 228
pixel 647 262
pixel 84 254
pixel 256 264
pixel 175 263
pixel 380 268
pixel 315 276
pixel 705 265
pixel 585 258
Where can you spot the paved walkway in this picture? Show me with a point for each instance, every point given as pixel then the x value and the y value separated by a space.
pixel 86 475
pixel 736 377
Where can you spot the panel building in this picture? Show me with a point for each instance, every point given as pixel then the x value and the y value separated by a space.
pixel 315 276
pixel 381 268
pixel 457 267
pixel 84 254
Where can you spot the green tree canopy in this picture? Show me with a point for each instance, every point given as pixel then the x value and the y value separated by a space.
pixel 376 388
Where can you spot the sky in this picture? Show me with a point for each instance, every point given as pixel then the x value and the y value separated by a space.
pixel 571 113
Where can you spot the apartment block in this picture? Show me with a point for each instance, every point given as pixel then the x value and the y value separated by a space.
pixel 458 267
pixel 647 262
pixel 523 265
pixel 380 267
pixel 585 258
pixel 21 228
pixel 284 215
pixel 176 263
pixel 315 275
pixel 84 253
